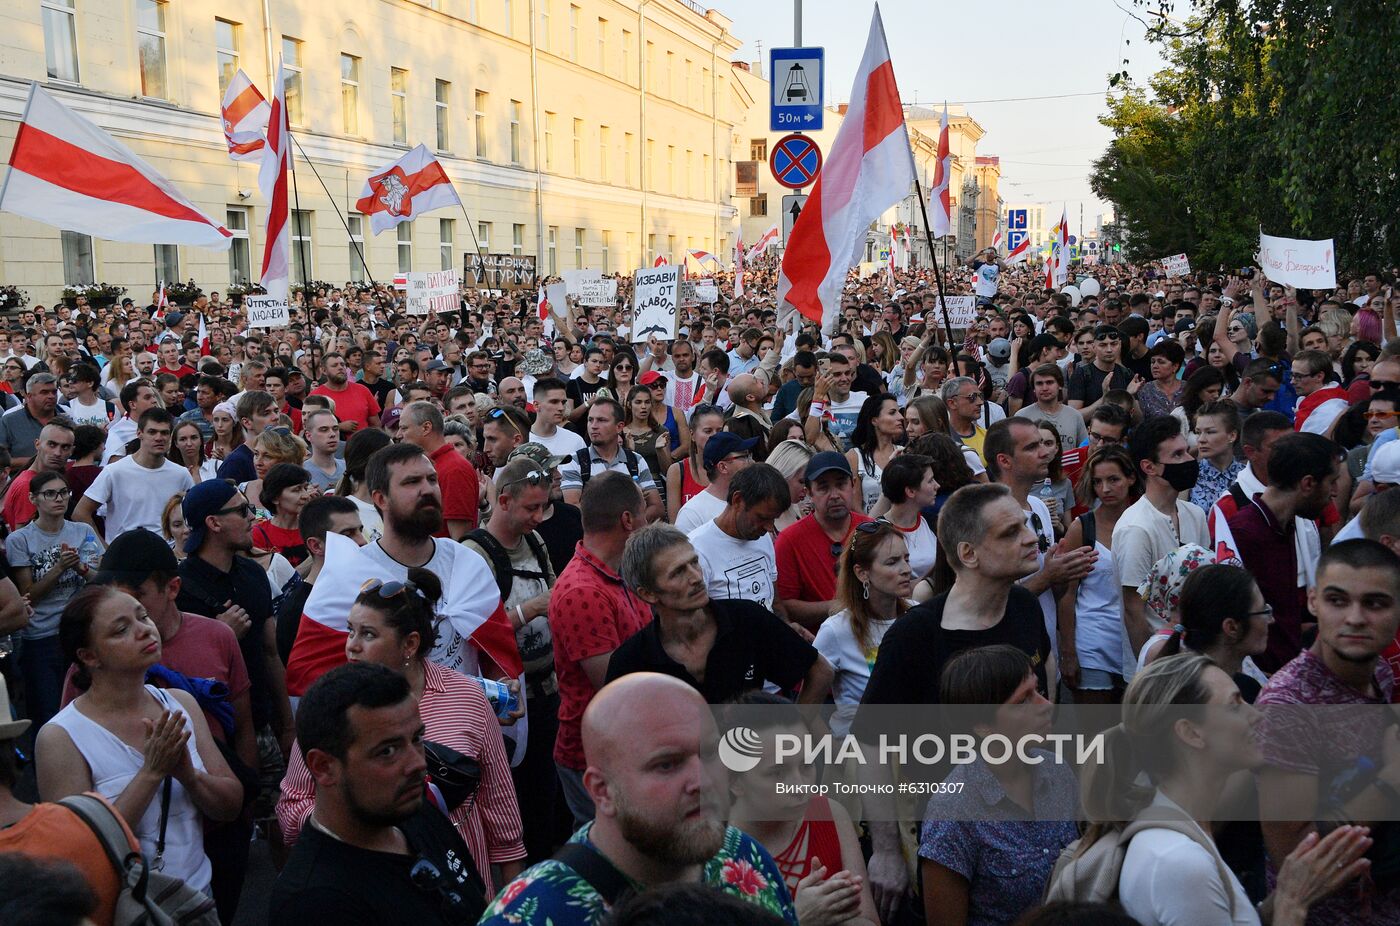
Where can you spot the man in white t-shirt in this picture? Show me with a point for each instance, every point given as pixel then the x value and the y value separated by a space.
pixel 736 548
pixel 136 398
pixel 726 455
pixel 135 489
pixel 834 402
pixel 551 400
pixel 986 270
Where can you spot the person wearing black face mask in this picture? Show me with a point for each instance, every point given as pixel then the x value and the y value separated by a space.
pixel 1159 522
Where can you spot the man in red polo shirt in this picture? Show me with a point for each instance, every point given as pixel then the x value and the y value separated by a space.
pixel 169 354
pixel 355 405
pixel 421 424
pixel 591 613
pixel 808 550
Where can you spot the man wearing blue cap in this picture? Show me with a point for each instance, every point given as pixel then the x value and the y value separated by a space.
pixel 808 550
pixel 725 455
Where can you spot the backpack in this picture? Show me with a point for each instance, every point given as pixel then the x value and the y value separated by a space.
pixel 145 897
pixel 500 559
pixel 585 465
pixel 1089 873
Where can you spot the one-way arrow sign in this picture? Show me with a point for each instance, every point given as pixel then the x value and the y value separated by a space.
pixel 793 205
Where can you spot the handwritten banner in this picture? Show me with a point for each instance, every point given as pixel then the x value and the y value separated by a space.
pixel 433 291
pixel 1298 262
pixel 499 271
pixel 961 311
pixel 655 299
pixel 1176 266
pixel 267 311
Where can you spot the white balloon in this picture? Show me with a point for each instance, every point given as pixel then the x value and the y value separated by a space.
pixel 1074 295
pixel 1089 286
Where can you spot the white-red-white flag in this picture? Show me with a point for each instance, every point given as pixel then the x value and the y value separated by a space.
pixel 942 210
pixel 764 242
pixel 660 261
pixel 245 113
pixel 1059 253
pixel 409 187
pixel 68 173
pixel 704 257
pixel 272 179
pixel 996 241
pixel 1020 252
pixel 869 169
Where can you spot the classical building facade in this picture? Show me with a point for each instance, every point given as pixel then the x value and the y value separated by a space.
pixel 590 133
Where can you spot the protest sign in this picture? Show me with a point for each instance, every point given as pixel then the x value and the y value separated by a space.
pixel 499 271
pixel 1176 266
pixel 598 292
pixel 961 311
pixel 433 291
pixel 1297 262
pixel 575 280
pixel 655 297
pixel 706 291
pixel 267 311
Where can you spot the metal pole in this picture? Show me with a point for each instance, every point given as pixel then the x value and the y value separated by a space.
pixel 937 276
pixel 796 23
pixel 343 222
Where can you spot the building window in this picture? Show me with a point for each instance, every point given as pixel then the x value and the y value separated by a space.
pixel 573 32
pixel 516 110
pixel 578 248
pixel 291 62
pixel 77 259
pixel 758 149
pixel 626 56
pixel 671 75
pixel 549 119
pixel 239 265
pixel 602 45
pixel 553 246
pixel 651 250
pixel 398 98
pixel 543 38
pixel 689 172
pixel 350 94
pixel 479 121
pixel 150 38
pixel 405 246
pixel 517 240
pixel 167 260
pixel 578 147
pixel 686 91
pixel 604 141
pixel 483 237
pixel 746 178
pixel 303 262
pixel 758 205
pixel 60 39
pixel 225 52
pixel 356 222
pixel 607 247
pixel 704 85
pixel 670 168
pixel 446 234
pixel 508 17
pixel 442 96
pixel 628 141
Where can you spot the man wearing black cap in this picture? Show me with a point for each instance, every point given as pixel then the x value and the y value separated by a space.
pixel 808 550
pixel 1090 381
pixel 217 580
pixel 725 455
pixel 438 375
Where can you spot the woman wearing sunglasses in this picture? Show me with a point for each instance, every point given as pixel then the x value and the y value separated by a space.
pixel 392 624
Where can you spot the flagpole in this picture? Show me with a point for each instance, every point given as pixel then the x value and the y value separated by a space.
pixel 933 256
pixel 343 222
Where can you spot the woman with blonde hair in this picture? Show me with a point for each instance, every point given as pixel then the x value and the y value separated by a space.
pixel 791 458
pixel 273 446
pixel 1185 730
pixel 884 355
pixel 873 584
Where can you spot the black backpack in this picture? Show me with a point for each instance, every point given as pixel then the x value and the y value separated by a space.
pixel 500 559
pixel 585 465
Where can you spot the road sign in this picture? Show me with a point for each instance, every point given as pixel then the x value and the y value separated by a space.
pixel 1092 245
pixel 794 161
pixel 1014 239
pixel 797 89
pixel 793 204
pixel 1073 239
pixel 1016 220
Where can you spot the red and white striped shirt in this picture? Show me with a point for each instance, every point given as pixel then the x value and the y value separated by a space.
pixel 456 714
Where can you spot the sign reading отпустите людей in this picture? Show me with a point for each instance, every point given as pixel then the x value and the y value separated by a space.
pixel 266 311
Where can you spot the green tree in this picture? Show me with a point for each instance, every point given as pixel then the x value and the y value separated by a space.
pixel 1272 113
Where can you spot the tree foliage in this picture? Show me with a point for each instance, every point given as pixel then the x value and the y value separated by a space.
pixel 1269 112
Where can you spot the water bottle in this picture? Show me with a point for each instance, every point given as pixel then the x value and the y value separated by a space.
pixel 1047 492
pixel 89 554
pixel 502 699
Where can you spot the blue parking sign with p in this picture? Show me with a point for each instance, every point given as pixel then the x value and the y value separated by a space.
pixel 1014 239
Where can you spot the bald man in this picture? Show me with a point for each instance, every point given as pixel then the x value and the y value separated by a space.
pixel 511 391
pixel 747 417
pixel 649 742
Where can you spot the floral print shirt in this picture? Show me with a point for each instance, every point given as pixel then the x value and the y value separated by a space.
pixel 552 894
pixel 1213 483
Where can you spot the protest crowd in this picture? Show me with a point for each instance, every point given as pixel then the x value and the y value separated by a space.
pixel 429 609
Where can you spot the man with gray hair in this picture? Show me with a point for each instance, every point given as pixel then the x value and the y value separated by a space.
pixel 20 426
pixel 421 425
pixel 748 644
pixel 964 401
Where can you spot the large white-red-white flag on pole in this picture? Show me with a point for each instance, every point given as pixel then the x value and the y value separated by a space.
pixel 764 242
pixel 245 113
pixel 1020 252
pixel 409 187
pixel 869 169
pixel 1060 252
pixel 942 212
pixel 739 266
pixel 68 173
pixel 272 179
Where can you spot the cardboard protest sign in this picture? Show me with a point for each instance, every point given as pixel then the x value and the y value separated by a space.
pixel 1297 262
pixel 499 271
pixel 706 291
pixel 267 311
pixel 655 299
pixel 575 280
pixel 433 291
pixel 1176 266
pixel 961 311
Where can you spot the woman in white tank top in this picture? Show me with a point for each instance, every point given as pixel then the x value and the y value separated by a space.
pixel 873 445
pixel 127 740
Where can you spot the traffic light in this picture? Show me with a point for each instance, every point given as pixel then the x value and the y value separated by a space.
pixel 1117 248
